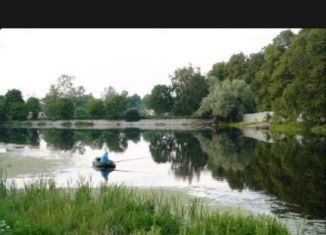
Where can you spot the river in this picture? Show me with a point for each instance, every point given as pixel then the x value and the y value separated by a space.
pixel 283 178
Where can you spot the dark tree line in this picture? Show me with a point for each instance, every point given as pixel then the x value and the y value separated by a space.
pixel 288 76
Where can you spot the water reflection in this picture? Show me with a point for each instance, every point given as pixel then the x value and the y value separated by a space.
pixel 292 171
pixel 182 149
pixel 20 136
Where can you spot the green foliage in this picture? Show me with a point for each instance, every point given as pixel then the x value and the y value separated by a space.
pixel 189 87
pixel 42 208
pixel 237 66
pixel 33 105
pixel 96 108
pixel 305 62
pixel 116 105
pixel 64 88
pixel 160 99
pixel 216 74
pixel 229 100
pixel 18 111
pixel 134 102
pixel 14 106
pixel 284 38
pixel 13 96
pixel 82 113
pixel 290 128
pixel 2 108
pixel 65 108
pixel 132 115
pixel 319 130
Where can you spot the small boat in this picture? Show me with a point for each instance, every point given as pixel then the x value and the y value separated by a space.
pixel 100 165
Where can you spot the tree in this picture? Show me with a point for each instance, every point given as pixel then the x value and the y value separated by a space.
pixel 216 74
pixel 116 105
pixel 269 81
pixel 284 38
pixel 18 111
pixel 237 67
pixel 14 105
pixel 229 100
pixel 65 88
pixel 65 108
pixel 134 101
pixel 33 105
pixel 13 96
pixel 304 63
pixel 189 87
pixel 160 99
pixel 96 108
pixel 132 115
pixel 2 108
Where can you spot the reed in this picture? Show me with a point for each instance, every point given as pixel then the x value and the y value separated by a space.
pixel 42 208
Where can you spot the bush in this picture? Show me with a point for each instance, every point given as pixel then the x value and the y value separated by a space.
pixel 82 113
pixel 132 115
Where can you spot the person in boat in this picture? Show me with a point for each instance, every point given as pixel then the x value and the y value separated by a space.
pixel 105 158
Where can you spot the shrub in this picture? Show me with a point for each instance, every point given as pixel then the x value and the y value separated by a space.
pixel 132 115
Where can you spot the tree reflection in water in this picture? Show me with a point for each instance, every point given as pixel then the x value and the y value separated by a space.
pixel 182 149
pixel 20 136
pixel 292 171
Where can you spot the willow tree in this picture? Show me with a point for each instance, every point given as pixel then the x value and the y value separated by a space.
pixel 229 100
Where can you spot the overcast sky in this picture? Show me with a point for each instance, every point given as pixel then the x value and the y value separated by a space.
pixel 127 59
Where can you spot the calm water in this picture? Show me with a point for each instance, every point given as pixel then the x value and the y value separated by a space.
pixel 285 178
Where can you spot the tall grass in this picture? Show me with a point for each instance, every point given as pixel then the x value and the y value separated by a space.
pixel 42 208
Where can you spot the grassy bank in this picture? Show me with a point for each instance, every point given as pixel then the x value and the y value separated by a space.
pixel 319 130
pixel 41 208
pixel 290 128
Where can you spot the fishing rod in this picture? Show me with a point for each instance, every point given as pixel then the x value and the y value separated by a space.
pixel 133 171
pixel 125 160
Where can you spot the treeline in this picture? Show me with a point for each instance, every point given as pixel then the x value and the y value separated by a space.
pixel 287 76
pixel 65 100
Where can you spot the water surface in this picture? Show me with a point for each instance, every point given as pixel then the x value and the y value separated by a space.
pixel 284 177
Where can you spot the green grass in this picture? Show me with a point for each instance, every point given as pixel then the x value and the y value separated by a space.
pixel 290 128
pixel 83 123
pixel 42 208
pixel 234 124
pixel 319 130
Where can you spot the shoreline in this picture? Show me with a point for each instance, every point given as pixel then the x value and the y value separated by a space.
pixel 145 124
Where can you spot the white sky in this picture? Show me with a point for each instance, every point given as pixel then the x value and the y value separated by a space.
pixel 127 59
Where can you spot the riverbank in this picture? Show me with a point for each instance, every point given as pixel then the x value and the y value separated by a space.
pixel 145 124
pixel 43 208
pixel 290 128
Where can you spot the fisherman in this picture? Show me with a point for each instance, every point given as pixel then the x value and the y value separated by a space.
pixel 105 158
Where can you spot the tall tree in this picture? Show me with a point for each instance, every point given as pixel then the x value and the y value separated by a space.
pixel 216 74
pixel 2 108
pixel 65 108
pixel 160 99
pixel 305 62
pixel 14 105
pixel 96 108
pixel 116 105
pixel 269 81
pixel 189 87
pixel 237 66
pixel 33 105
